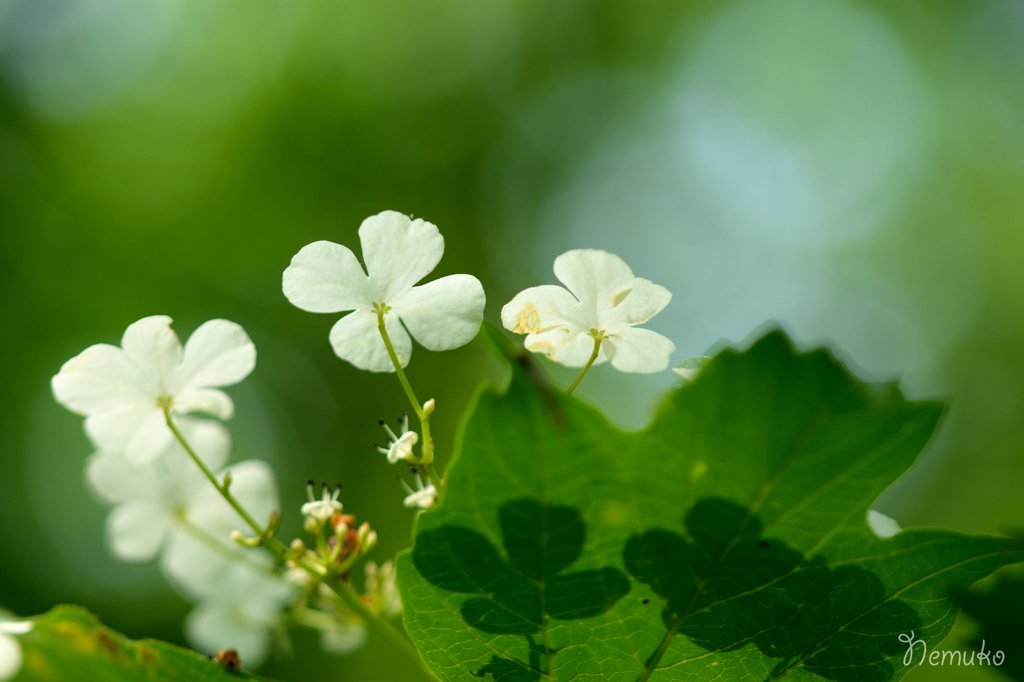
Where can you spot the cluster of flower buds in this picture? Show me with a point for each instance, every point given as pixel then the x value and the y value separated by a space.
pixel 335 553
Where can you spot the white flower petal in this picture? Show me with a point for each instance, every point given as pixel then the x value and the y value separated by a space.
pixel 540 309
pixel 325 277
pixel 138 430
pixel 212 627
pixel 10 657
pixel 219 353
pixel 572 349
pixel 398 252
pixel 210 401
pixel 882 525
pixel 423 498
pixel 356 339
pixel 640 351
pixel 136 530
pixel 253 485
pixel 443 314
pixel 155 350
pixel 643 302
pixel 197 570
pixel 150 438
pixel 100 378
pixel 114 479
pixel 597 278
pixel 210 440
pixel 14 627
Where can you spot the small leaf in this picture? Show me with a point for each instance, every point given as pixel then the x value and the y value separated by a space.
pixel 727 541
pixel 69 643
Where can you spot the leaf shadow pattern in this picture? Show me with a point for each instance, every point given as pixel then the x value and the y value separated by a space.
pixel 726 586
pixel 520 593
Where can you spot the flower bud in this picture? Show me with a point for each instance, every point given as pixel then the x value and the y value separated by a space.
pixel 428 408
pixel 311 525
pixel 298 546
pixel 226 483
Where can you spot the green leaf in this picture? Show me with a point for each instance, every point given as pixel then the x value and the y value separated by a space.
pixel 999 610
pixel 69 643
pixel 727 541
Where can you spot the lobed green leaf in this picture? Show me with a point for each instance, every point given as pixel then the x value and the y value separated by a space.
pixel 727 541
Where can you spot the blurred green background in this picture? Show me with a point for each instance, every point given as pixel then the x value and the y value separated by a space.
pixel 851 168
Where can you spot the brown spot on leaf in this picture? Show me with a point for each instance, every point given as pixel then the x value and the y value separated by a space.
pixel 107 643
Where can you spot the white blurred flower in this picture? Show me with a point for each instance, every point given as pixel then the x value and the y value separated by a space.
pixel 323 509
pixel 241 614
pixel 603 297
pixel 400 446
pixel 345 636
pixel 882 525
pixel 10 648
pixel 169 506
pixel 325 277
pixel 422 497
pixel 123 391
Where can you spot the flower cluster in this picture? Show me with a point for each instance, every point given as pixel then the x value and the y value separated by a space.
pixel 164 507
pixel 162 458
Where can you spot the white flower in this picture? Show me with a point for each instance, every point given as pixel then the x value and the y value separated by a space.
pixel 323 509
pixel 240 615
pixel 123 391
pixel 400 447
pixel 422 497
pixel 607 299
pixel 882 525
pixel 326 278
pixel 169 506
pixel 10 648
pixel 345 636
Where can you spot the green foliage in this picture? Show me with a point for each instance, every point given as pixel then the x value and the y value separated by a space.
pixel 69 643
pixel 999 611
pixel 727 540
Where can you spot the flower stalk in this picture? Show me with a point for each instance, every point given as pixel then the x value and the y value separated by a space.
pixel 422 414
pixel 598 338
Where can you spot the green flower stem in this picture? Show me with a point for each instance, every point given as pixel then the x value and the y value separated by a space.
pixel 428 442
pixel 343 590
pixel 222 489
pixel 379 626
pixel 598 338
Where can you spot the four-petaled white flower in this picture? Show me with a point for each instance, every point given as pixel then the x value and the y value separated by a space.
pixel 606 299
pixel 325 277
pixel 10 648
pixel 124 391
pixel 168 506
pixel 241 614
pixel 323 509
pixel 423 497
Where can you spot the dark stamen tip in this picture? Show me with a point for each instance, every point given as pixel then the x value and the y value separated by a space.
pixel 323 484
pixel 310 481
pixel 381 421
